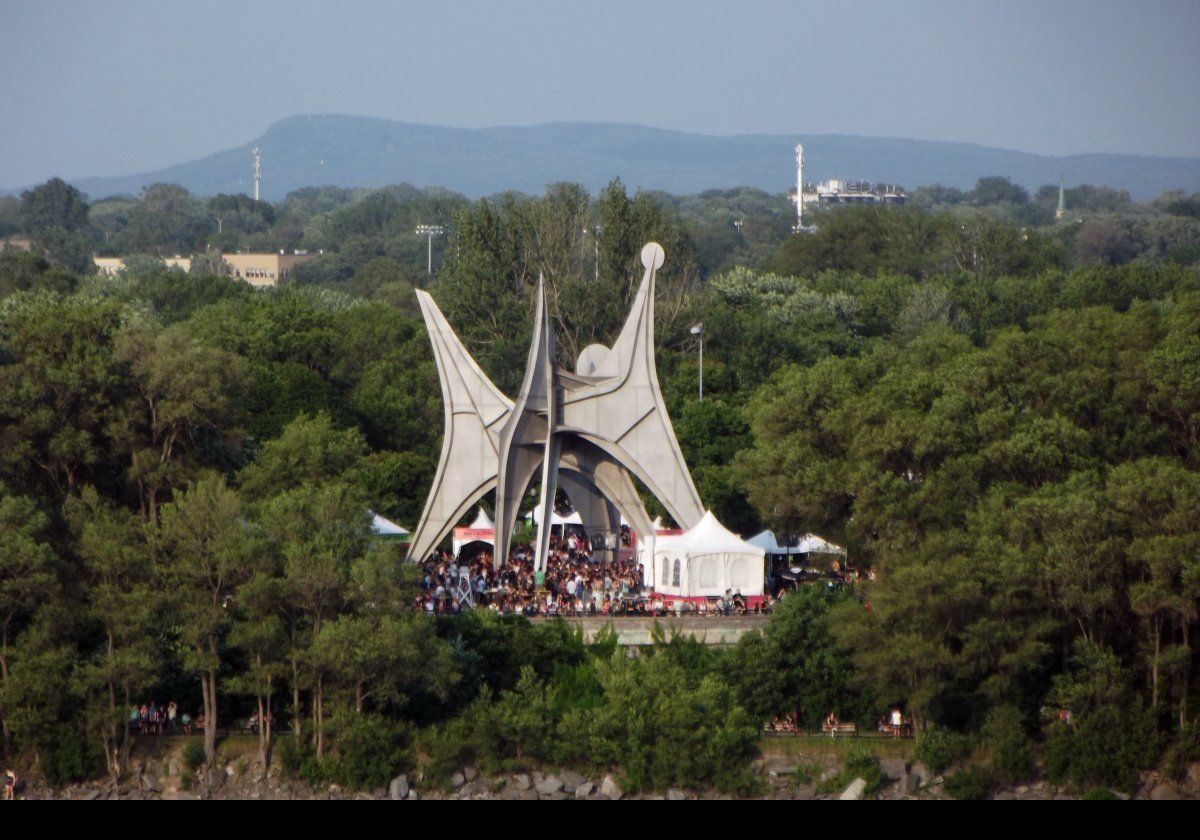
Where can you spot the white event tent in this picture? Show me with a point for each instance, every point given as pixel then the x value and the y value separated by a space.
pixel 808 544
pixel 481 530
pixel 702 562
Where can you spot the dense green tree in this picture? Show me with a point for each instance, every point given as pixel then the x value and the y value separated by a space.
pixel 62 399
pixel 55 217
pixel 28 579
pixel 189 403
pixel 207 553
pixel 996 190
pixel 55 205
pixel 168 220
pixel 796 664
pixel 117 571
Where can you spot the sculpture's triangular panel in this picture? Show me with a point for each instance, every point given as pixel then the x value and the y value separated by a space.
pixel 474 410
pixel 624 414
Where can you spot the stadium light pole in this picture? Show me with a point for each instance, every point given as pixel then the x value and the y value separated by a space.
pixel 698 331
pixel 429 231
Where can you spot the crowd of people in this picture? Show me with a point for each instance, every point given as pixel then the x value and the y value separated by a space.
pixel 155 719
pixel 574 584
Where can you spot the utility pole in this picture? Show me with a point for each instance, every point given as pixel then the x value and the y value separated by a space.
pixel 429 231
pixel 799 188
pixel 698 331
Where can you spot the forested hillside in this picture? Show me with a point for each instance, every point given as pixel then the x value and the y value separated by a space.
pixel 997 413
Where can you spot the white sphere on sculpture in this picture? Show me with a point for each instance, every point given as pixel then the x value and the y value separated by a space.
pixel 653 255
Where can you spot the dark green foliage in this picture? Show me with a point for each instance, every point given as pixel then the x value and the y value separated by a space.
pixel 996 414
pixel 291 754
pixel 71 757
pixel 857 763
pixel 1012 750
pixel 797 664
pixel 371 751
pixel 492 651
pixel 664 720
pixel 21 272
pixel 970 783
pixel 1110 734
pixel 193 755
pixel 448 749
pixel 1183 751
pixel 939 749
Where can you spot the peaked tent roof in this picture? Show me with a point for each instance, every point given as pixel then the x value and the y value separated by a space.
pixel 709 537
pixel 766 541
pixel 385 527
pixel 812 544
pixel 482 522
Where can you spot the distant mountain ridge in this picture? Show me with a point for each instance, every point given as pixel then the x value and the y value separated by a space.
pixel 367 152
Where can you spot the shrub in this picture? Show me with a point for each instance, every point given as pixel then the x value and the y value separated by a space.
pixel 297 760
pixel 1184 750
pixel 1112 735
pixel 1011 749
pixel 858 763
pixel 938 749
pixel 1107 747
pixel 448 749
pixel 70 757
pixel 193 756
pixel 970 783
pixel 1100 794
pixel 369 750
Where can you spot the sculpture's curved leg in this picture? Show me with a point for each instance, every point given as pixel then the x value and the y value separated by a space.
pixel 474 411
pixel 527 435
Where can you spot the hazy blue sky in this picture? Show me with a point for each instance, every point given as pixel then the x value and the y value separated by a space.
pixel 106 88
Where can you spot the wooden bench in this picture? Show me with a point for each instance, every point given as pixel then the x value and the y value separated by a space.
pixel 784 729
pixel 840 729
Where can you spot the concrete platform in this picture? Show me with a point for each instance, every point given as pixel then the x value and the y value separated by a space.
pixel 639 632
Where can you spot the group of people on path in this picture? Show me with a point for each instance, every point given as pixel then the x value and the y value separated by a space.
pixel 153 719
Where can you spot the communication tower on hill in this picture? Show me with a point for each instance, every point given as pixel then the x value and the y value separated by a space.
pixel 257 169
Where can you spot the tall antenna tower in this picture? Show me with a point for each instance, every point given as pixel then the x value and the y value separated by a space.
pixel 257 169
pixel 799 187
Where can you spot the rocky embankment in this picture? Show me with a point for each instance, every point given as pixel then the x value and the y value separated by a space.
pixel 783 778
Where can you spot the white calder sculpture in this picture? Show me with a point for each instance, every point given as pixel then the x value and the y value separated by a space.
pixel 589 430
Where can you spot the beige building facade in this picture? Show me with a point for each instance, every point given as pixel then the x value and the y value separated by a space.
pixel 261 270
pixel 112 266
